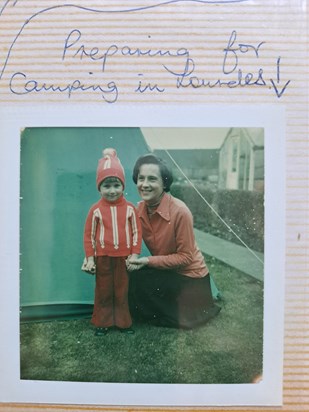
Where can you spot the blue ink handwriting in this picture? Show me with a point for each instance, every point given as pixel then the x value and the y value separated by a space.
pixel 231 52
pixel 148 87
pixel 277 84
pixel 109 92
pixel 114 11
pixel 232 73
pixel 4 6
pixel 82 52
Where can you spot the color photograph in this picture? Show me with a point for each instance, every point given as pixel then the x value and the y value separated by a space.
pixel 142 254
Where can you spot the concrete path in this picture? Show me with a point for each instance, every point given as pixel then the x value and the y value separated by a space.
pixel 234 255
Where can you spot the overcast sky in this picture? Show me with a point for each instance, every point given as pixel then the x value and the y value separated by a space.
pixel 184 138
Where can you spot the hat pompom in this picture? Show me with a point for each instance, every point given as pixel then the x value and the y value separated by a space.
pixel 109 152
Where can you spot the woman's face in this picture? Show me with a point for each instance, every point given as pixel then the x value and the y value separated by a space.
pixel 150 183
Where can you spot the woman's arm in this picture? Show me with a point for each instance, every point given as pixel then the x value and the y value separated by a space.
pixel 182 231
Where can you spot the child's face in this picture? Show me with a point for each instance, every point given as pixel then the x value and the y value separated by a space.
pixel 111 189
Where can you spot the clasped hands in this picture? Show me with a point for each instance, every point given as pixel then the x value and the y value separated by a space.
pixel 134 262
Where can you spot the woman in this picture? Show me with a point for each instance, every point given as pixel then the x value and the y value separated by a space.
pixel 171 287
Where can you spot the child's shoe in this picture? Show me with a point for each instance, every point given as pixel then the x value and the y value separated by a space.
pixel 100 331
pixel 129 331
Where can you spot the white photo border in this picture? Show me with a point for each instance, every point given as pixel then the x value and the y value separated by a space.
pixel 269 390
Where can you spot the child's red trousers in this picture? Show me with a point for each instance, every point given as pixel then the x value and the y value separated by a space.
pixel 111 293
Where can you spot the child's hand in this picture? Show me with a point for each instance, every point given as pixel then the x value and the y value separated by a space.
pixel 135 263
pixel 130 266
pixel 89 265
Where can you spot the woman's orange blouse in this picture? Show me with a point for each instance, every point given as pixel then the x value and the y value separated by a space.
pixel 168 234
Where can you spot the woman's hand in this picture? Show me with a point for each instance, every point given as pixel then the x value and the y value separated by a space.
pixel 135 263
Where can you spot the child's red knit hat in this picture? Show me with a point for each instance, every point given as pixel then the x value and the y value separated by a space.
pixel 109 166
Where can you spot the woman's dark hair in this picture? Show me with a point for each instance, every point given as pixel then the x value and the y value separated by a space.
pixel 165 171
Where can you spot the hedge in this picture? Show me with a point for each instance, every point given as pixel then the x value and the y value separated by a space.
pixel 243 212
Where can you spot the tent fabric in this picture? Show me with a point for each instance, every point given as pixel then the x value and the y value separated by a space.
pixel 50 312
pixel 57 188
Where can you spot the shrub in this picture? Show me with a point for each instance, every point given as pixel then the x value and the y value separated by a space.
pixel 242 211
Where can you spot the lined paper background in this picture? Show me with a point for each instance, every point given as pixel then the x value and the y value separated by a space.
pixel 32 36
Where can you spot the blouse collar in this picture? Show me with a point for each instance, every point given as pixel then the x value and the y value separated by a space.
pixel 162 210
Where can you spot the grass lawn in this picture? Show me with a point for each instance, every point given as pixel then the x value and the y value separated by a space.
pixel 226 350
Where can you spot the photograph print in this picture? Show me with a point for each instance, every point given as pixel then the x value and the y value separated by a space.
pixel 142 254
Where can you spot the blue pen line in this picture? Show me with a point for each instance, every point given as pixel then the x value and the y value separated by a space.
pixel 106 12
pixel 4 6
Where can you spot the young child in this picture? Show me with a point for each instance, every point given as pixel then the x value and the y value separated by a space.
pixel 112 234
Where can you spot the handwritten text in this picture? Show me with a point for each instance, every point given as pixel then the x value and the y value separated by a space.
pixel 177 66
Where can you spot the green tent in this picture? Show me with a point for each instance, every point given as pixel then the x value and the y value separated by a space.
pixel 57 185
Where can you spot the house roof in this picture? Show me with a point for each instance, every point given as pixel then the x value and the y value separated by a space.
pixel 254 134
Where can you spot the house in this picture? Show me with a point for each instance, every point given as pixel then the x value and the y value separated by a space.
pixel 241 159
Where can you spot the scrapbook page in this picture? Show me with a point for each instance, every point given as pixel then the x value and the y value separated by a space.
pixel 186 286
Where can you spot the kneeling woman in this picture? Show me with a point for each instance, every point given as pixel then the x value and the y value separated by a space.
pixel 172 286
